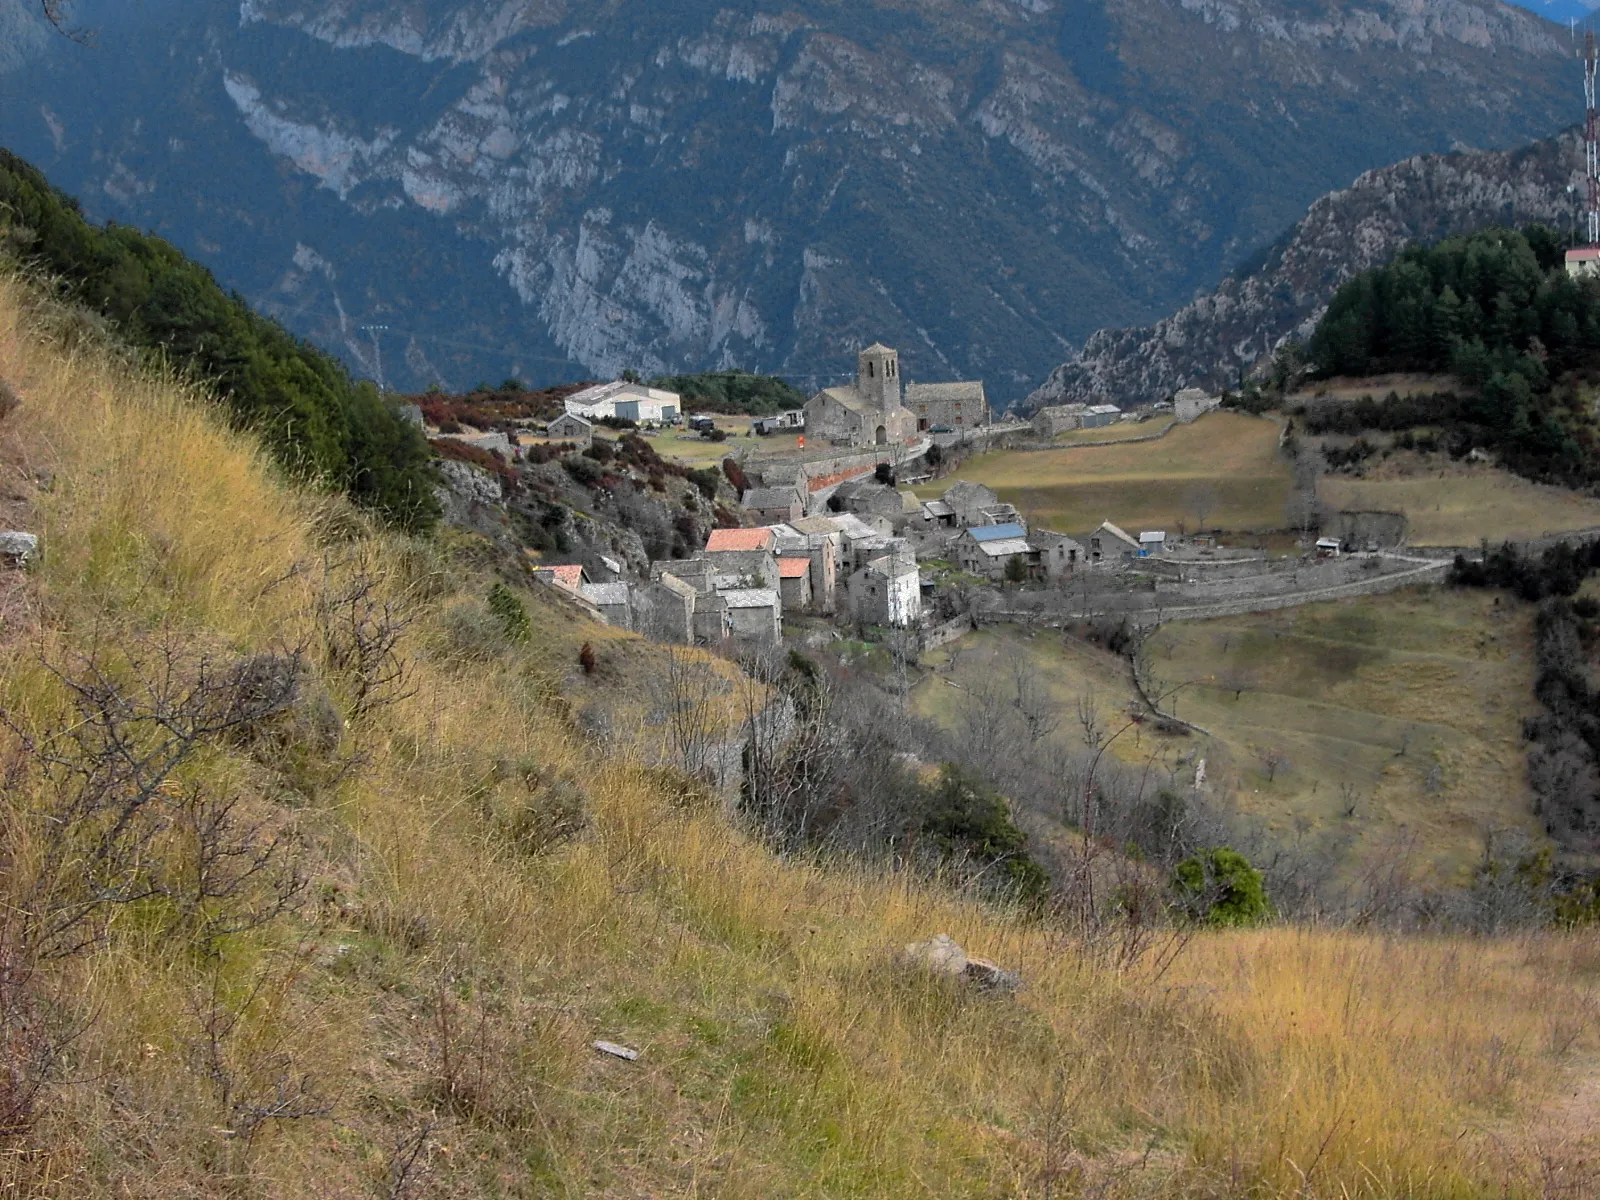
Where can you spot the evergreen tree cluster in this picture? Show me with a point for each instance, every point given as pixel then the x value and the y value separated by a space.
pixel 318 422
pixel 733 392
pixel 1497 310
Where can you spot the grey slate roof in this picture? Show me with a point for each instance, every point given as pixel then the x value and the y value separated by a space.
pixel 770 497
pixel 967 389
pixel 750 597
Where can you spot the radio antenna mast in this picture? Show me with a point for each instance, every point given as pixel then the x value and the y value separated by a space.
pixel 1591 139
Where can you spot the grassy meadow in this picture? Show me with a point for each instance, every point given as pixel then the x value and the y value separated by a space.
pixel 1231 457
pixel 420 1024
pixel 1406 707
pixel 1457 504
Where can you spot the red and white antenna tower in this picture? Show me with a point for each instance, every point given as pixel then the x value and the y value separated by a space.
pixel 1591 139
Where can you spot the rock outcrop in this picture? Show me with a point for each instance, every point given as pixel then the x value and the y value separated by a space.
pixel 1216 340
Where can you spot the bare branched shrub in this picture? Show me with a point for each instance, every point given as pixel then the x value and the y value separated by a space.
pixel 9 403
pixel 361 628
pixel 254 1085
pixel 117 822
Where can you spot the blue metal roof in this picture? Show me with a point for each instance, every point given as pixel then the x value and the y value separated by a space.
pixel 991 533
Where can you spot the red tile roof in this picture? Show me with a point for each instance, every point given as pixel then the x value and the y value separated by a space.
pixel 739 539
pixel 793 568
pixel 569 577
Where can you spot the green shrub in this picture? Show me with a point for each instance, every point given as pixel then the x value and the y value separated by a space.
pixel 507 606
pixel 963 816
pixel 1220 887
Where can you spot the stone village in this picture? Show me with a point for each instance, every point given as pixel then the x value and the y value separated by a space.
pixel 828 533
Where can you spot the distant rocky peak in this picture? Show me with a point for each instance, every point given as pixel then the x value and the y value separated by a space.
pixel 1221 337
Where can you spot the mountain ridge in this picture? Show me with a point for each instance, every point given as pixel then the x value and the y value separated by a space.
pixel 1221 336
pixel 577 189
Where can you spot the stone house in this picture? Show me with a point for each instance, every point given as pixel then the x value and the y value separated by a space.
pixel 569 427
pixel 713 622
pixel 794 582
pixel 1152 542
pixel 986 550
pixel 823 543
pixel 754 615
pixel 613 602
pixel 966 499
pixel 770 504
pixel 1058 418
pixel 748 554
pixel 1059 555
pixel 867 497
pixel 887 591
pixel 1108 543
pixel 1097 416
pixel 948 407
pixel 664 610
pixel 867 413
pixel 570 578
pixel 1191 403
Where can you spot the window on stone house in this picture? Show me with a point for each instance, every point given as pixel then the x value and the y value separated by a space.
pixel 869 370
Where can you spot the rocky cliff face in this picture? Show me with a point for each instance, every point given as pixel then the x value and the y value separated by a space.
pixel 1218 339
pixel 473 188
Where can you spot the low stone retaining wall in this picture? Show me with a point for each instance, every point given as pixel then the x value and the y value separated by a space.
pixel 938 635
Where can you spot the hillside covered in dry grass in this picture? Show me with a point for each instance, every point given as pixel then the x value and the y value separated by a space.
pixel 320 879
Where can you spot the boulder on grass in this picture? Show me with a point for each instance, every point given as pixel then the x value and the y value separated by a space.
pixel 18 549
pixel 943 955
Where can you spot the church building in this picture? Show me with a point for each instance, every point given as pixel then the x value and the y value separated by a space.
pixel 868 413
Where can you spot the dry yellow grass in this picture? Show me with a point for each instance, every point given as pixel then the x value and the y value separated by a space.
pixel 1449 504
pixel 440 992
pixel 1145 485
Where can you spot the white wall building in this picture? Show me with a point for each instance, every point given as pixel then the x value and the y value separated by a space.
pixel 631 401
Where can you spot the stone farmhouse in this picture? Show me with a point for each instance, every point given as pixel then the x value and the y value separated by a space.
pixel 775 503
pixel 1192 403
pixel 887 591
pixel 570 427
pixel 987 549
pixel 866 413
pixel 1059 555
pixel 1058 418
pixel 1109 542
pixel 948 407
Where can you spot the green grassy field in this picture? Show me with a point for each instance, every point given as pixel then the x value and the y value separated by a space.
pixel 1145 485
pixel 1406 706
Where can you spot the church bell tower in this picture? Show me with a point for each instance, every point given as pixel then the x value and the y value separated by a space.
pixel 878 376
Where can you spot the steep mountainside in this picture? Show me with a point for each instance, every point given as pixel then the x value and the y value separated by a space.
pixel 565 187
pixel 1218 337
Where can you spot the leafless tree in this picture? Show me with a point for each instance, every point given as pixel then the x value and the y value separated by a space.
pixel 683 701
pixel 1237 680
pixel 1273 760
pixel 1031 698
pixel 1201 499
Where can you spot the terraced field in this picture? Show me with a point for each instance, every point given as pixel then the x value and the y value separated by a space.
pixel 1227 463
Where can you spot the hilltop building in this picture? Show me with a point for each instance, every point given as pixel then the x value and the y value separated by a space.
pixel 868 412
pixel 629 401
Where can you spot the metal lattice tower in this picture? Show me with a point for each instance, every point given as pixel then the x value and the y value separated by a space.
pixel 1591 140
